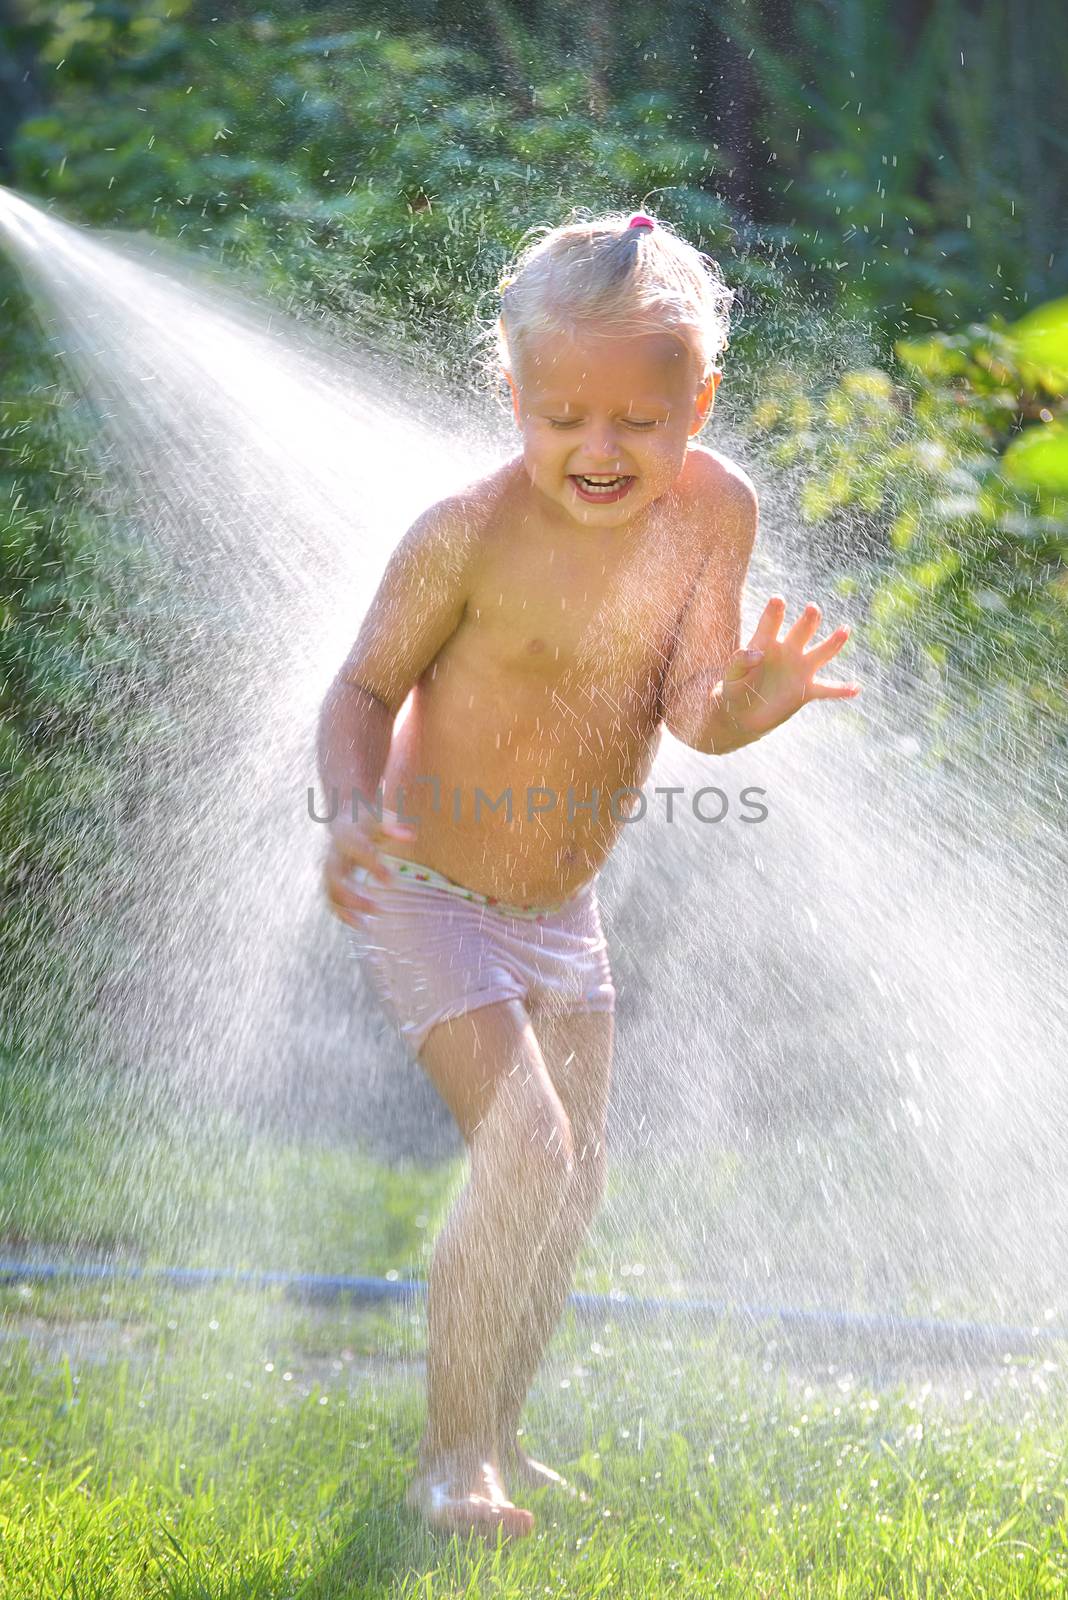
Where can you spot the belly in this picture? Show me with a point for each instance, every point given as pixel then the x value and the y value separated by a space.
pixel 521 799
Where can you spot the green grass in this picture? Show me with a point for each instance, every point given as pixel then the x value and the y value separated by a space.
pixel 225 1444
pixel 226 1454
pixel 89 1167
pixel 86 1168
pixel 89 1170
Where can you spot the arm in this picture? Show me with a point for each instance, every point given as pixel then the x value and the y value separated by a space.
pixel 694 707
pixel 355 731
pixel 718 697
pixel 417 608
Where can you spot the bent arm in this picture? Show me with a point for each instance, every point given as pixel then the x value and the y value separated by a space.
pixel 710 633
pixel 715 731
pixel 355 732
pixel 417 608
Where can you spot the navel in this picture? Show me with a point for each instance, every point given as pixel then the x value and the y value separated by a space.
pixel 535 646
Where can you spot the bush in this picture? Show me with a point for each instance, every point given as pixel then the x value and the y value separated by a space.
pixel 77 671
pixel 958 469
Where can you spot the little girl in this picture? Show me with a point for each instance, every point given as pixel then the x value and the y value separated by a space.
pixel 529 641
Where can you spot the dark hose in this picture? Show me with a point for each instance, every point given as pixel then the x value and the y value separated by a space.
pixel 916 1334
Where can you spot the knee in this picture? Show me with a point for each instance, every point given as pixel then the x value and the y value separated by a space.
pixel 546 1162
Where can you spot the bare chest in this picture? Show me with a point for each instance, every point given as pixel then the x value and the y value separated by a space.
pixel 555 617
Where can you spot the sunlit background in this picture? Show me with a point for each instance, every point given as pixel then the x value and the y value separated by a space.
pixel 247 269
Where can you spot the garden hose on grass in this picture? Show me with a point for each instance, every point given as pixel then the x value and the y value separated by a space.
pixel 906 1334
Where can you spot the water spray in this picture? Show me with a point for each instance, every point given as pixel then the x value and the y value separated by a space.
pixel 886 943
pixel 929 1336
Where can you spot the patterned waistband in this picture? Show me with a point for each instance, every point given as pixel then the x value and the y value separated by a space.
pixel 415 872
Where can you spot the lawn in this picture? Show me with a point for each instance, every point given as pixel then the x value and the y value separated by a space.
pixel 226 1442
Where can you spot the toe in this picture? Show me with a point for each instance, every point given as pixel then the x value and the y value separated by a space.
pixel 516 1522
pixel 447 1509
pixel 489 1521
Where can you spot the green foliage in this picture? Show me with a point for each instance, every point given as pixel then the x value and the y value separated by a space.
pixel 382 177
pixel 962 469
pixel 385 172
pixel 74 666
pixel 1038 460
pixel 362 166
pixel 1040 341
pixel 920 158
pixel 84 36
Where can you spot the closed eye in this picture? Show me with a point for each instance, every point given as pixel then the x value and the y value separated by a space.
pixel 573 422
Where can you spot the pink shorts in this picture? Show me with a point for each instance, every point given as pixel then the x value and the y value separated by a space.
pixel 435 949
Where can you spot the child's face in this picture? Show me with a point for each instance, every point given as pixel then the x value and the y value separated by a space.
pixel 620 408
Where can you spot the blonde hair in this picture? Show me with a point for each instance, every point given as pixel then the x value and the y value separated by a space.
pixel 614 274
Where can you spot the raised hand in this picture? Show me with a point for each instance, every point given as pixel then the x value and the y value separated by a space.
pixel 758 694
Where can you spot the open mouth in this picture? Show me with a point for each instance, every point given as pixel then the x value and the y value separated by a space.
pixel 601 489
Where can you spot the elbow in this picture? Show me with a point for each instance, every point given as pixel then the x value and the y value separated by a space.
pixel 681 718
pixel 349 710
pixel 684 712
pixel 683 730
pixel 693 732
pixel 345 692
pixel 333 700
pixel 695 743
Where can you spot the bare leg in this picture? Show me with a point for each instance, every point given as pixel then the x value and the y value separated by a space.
pixel 577 1048
pixel 489 1069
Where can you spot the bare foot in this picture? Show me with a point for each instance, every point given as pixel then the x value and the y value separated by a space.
pixel 517 1467
pixel 453 1500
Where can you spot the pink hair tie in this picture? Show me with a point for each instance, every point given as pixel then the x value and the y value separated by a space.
pixel 640 220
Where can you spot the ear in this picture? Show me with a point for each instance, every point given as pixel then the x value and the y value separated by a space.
pixel 515 393
pixel 705 400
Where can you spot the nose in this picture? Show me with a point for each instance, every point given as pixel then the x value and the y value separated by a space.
pixel 601 446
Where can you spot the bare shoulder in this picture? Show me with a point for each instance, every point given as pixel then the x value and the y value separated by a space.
pixel 423 595
pixel 714 478
pixel 723 501
pixel 450 535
